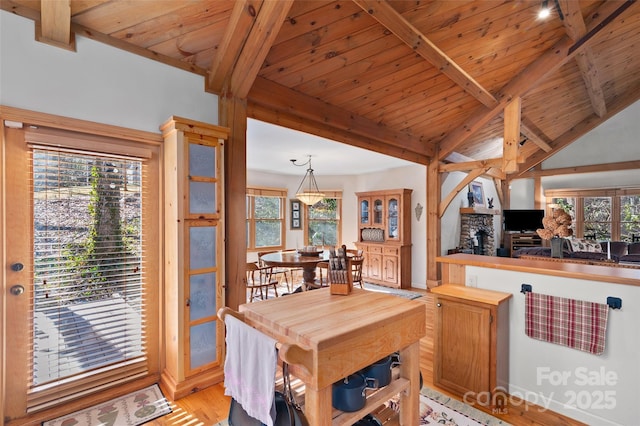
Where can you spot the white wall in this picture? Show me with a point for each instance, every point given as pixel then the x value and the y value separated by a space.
pixel 614 377
pixel 615 140
pixel 96 83
pixel 413 177
pixel 450 221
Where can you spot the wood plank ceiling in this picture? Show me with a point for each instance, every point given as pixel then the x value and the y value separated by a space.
pixel 458 81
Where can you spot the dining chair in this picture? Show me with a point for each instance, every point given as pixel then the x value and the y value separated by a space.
pixel 356 269
pixel 276 271
pixel 323 274
pixel 259 280
pixel 355 252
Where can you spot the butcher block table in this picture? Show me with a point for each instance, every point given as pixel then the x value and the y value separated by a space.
pixel 343 334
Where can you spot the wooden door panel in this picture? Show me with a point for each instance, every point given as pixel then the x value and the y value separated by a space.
pixel 375 266
pixel 390 269
pixel 19 237
pixel 463 354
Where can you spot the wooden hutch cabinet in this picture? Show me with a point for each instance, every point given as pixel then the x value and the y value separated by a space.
pixel 193 255
pixel 384 235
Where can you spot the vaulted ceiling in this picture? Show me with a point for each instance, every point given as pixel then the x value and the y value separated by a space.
pixel 474 84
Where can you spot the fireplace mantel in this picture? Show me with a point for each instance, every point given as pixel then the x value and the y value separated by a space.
pixel 479 210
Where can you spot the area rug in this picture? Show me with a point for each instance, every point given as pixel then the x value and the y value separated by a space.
pixel 437 408
pixel 132 409
pixel 396 292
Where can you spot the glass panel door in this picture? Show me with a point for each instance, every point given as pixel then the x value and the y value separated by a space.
pixel 392 218
pixel 377 212
pixel 364 211
pixel 202 303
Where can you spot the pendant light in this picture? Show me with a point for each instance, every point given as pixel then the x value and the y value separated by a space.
pixel 308 191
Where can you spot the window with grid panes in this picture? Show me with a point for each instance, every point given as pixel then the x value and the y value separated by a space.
pixel 265 218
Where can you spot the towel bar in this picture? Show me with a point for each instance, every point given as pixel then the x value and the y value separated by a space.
pixel 289 353
pixel 612 302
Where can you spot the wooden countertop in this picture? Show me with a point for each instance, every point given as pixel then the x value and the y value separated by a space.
pixel 344 334
pixel 490 297
pixel 609 274
pixel 334 326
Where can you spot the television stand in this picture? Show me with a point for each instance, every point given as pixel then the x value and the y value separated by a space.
pixel 515 241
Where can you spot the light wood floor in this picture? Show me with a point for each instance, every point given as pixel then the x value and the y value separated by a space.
pixel 210 406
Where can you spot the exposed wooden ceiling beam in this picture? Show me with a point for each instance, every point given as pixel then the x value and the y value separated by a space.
pixel 34 15
pixel 579 130
pixel 241 20
pixel 389 18
pixel 623 165
pixel 442 207
pixel 55 24
pixel 270 19
pixel 576 29
pixel 534 134
pixel 470 165
pixel 549 62
pixel 511 139
pixel 280 118
pixel 280 98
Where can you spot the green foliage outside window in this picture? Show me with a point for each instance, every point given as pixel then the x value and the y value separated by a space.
pixel 323 223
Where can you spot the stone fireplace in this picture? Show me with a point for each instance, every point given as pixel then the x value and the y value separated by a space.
pixel 477 233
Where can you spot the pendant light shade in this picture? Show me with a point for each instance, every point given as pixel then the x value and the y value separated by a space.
pixel 308 191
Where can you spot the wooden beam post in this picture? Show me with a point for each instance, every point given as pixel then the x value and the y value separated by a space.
pixel 511 135
pixel 433 224
pixel 233 114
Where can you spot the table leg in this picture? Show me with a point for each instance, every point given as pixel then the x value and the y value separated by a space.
pixel 317 406
pixel 410 400
pixel 309 276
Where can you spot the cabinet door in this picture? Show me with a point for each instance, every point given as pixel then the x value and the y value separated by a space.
pixel 203 242
pixel 374 270
pixel 462 352
pixel 390 269
pixel 393 219
pixel 378 212
pixel 365 211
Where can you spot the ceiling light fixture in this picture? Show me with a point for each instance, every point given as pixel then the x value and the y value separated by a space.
pixel 545 11
pixel 308 191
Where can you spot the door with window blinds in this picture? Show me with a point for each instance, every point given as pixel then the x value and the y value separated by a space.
pixel 78 317
pixel 194 238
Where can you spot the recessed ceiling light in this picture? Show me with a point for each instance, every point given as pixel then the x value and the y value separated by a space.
pixel 545 11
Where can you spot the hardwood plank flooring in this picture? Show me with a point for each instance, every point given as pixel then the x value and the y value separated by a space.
pixel 210 405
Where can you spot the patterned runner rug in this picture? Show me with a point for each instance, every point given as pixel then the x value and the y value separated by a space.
pixel 128 410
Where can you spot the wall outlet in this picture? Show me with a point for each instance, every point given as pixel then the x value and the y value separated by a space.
pixel 472 281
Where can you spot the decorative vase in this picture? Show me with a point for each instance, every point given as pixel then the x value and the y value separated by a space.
pixel 556 247
pixel 470 198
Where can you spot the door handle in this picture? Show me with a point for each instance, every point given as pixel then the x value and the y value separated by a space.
pixel 17 290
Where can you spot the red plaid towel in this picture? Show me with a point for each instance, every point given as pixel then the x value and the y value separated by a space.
pixel 568 322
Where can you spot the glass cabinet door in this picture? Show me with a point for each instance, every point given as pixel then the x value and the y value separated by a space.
pixel 364 211
pixel 377 212
pixel 392 218
pixel 202 180
pixel 202 295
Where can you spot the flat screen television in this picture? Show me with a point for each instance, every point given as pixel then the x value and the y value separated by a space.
pixel 522 220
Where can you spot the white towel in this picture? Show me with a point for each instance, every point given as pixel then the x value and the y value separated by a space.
pixel 250 370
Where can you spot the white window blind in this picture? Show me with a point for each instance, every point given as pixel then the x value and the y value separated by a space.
pixel 88 306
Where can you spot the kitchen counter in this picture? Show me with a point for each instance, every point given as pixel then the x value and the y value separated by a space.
pixel 346 333
pixel 453 269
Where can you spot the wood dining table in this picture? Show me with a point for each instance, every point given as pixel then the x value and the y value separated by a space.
pixel 293 259
pixel 341 335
